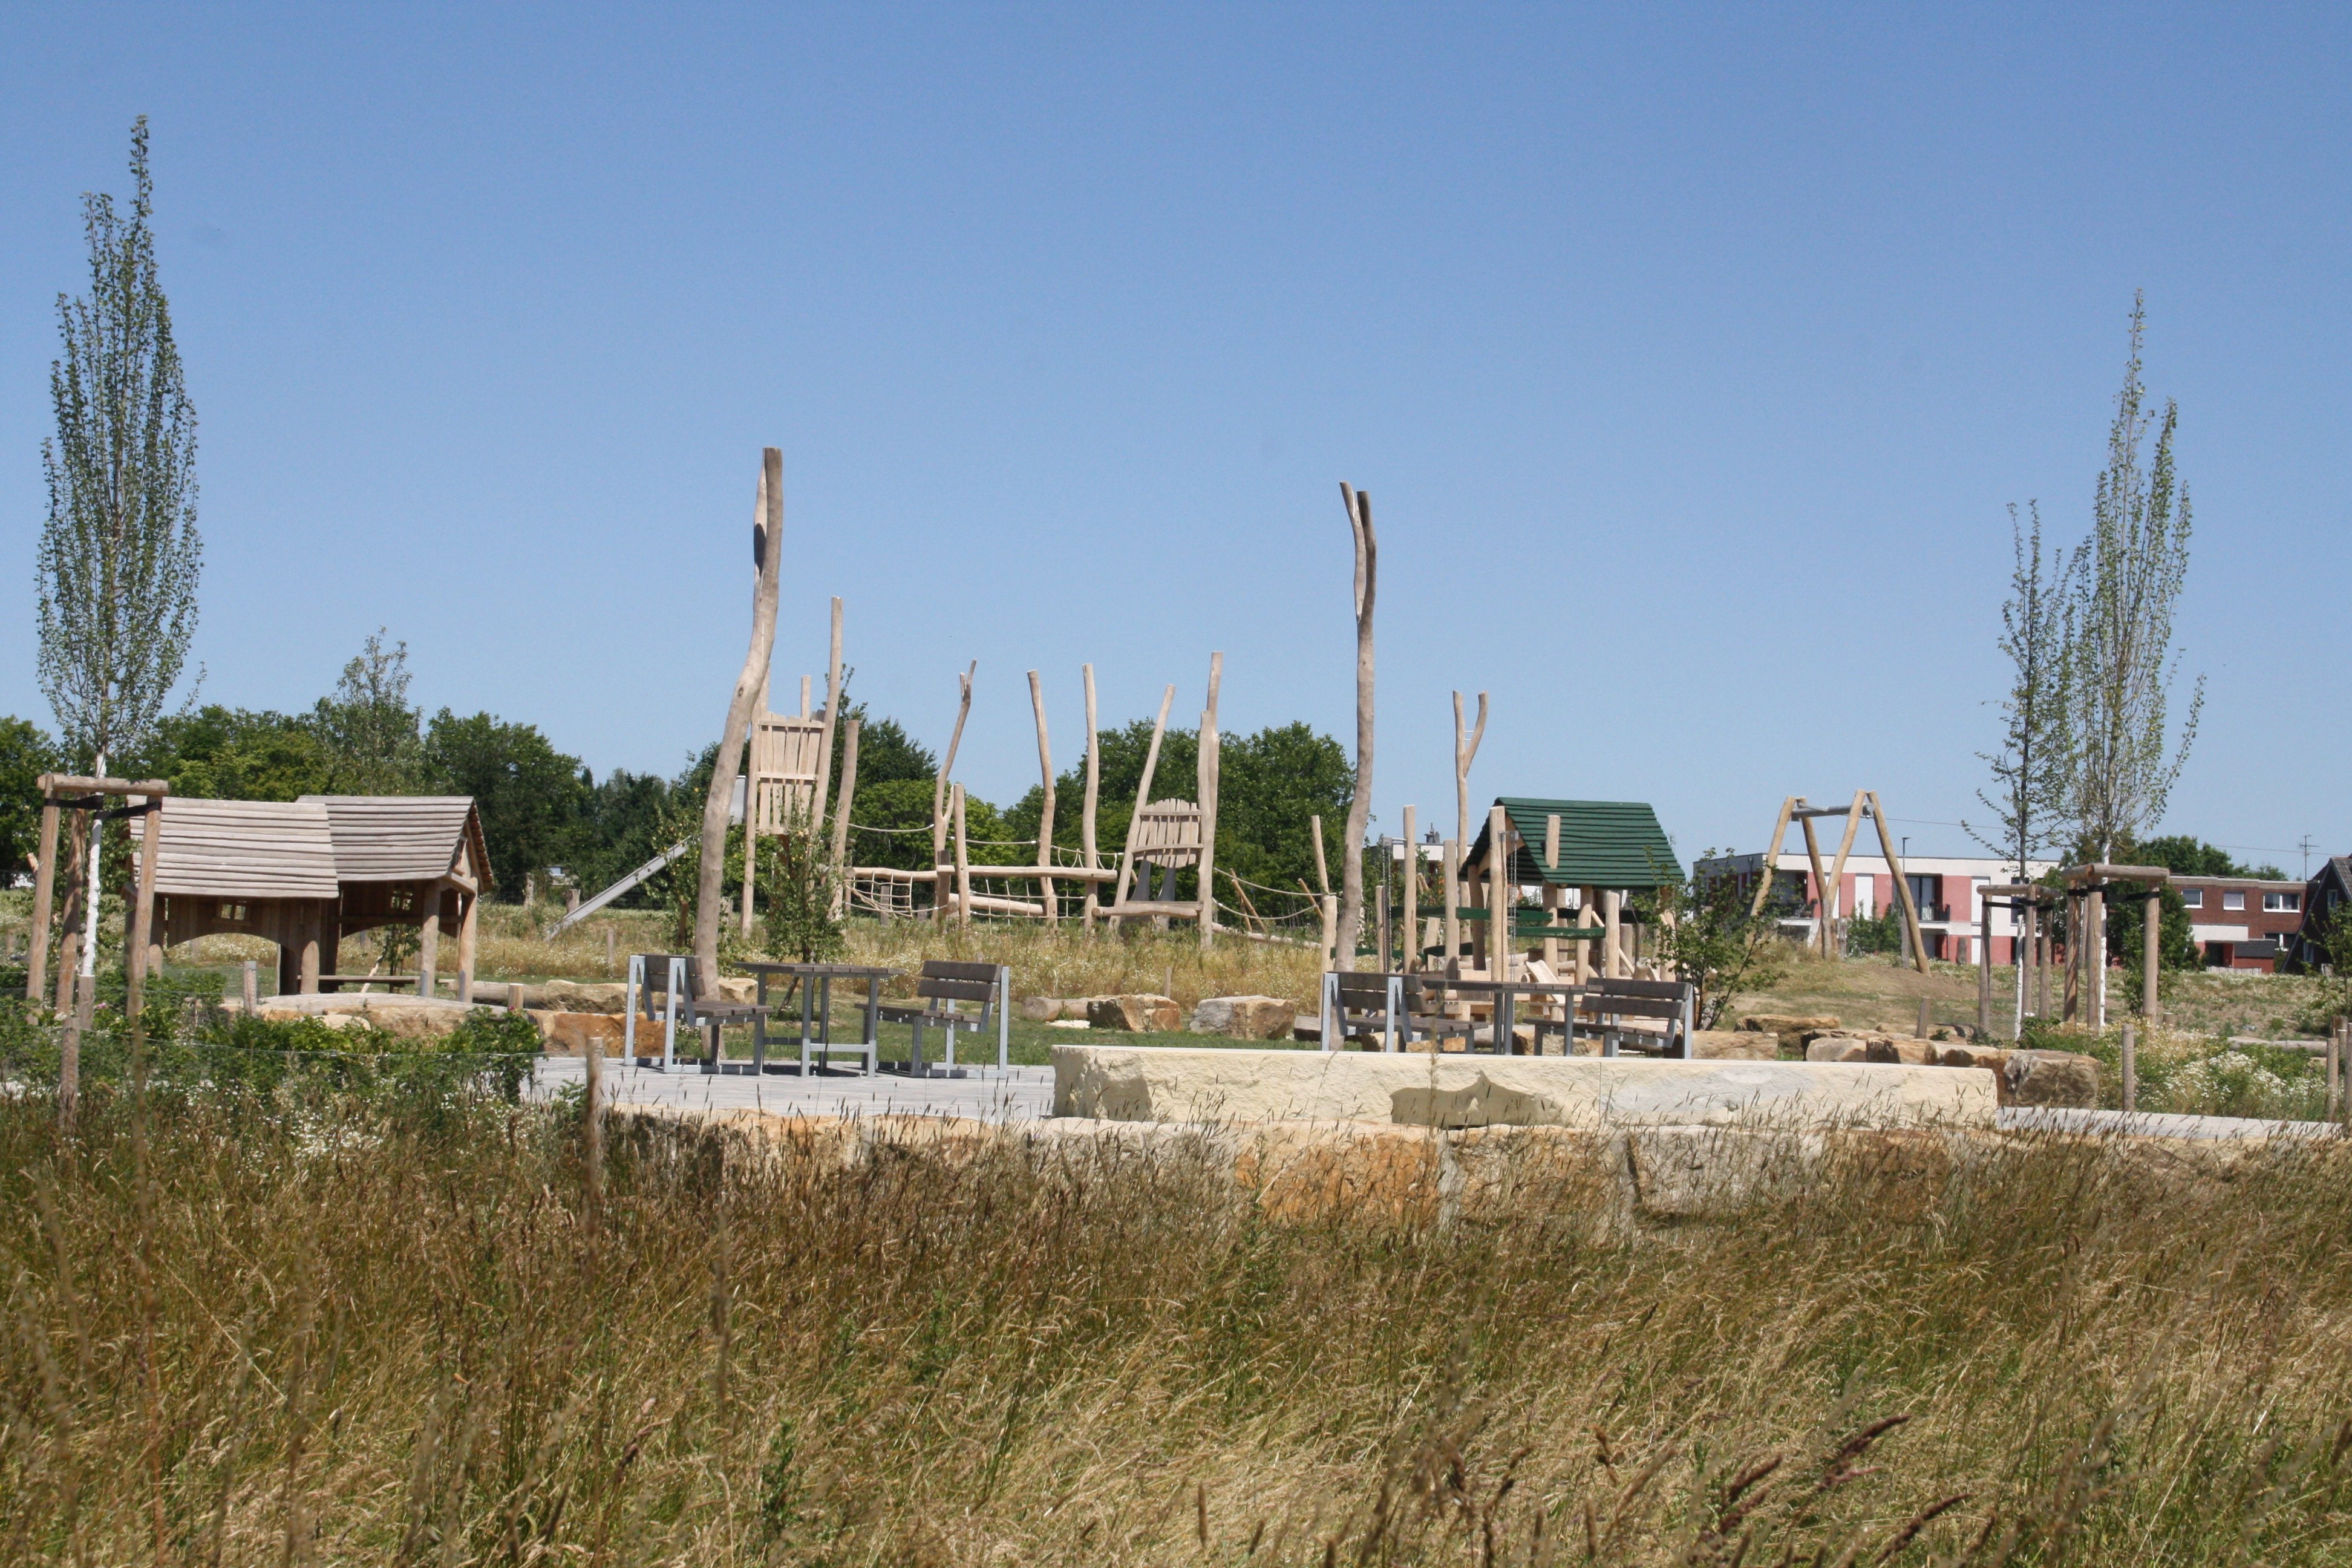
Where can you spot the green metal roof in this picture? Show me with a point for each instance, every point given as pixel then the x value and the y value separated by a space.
pixel 1603 843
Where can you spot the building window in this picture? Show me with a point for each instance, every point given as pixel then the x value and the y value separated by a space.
pixel 2233 901
pixel 2193 897
pixel 2278 903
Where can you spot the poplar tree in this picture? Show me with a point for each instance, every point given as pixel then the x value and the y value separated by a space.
pixel 118 555
pixel 2126 581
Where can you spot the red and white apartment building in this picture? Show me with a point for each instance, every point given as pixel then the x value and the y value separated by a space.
pixel 1944 887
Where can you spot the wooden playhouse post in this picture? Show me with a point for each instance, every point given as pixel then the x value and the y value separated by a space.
pixel 1498 895
pixel 1452 924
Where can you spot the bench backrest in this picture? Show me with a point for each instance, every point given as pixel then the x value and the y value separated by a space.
pixel 947 980
pixel 657 981
pixel 1636 999
pixel 1362 993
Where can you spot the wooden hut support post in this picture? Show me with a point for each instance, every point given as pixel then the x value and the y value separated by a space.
pixel 1498 898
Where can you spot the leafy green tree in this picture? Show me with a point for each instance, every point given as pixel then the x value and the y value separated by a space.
pixel 2185 855
pixel 532 796
pixel 25 753
pixel 2176 943
pixel 367 727
pixel 235 753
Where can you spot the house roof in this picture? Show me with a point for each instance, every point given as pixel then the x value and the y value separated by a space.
pixel 1603 843
pixel 245 849
pixel 402 838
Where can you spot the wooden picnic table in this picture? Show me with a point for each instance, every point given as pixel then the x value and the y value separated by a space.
pixel 815 983
pixel 1505 993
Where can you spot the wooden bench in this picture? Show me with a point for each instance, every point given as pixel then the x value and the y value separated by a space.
pixel 332 982
pixel 941 986
pixel 1605 1003
pixel 1393 1009
pixel 676 979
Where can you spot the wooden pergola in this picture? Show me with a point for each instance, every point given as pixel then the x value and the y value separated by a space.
pixel 85 797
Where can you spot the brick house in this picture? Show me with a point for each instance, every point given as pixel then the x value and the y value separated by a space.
pixel 2243 922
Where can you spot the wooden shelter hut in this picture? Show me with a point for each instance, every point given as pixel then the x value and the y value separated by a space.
pixel 417 860
pixel 306 873
pixel 1602 848
pixel 256 867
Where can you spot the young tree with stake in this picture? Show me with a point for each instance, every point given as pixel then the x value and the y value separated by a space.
pixel 118 555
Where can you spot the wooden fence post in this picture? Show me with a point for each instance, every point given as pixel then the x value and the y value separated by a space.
pixel 2131 1068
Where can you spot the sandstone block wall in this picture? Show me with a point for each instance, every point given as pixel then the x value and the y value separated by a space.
pixel 1132 1083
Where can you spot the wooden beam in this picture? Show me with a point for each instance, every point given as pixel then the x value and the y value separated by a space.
pixel 1771 856
pixel 1902 882
pixel 1825 895
pixel 847 798
pixel 832 724
pixel 1500 893
pixel 1143 795
pixel 45 877
pixel 2151 951
pixel 79 784
pixel 1854 814
pixel 963 866
pixel 1453 921
pixel 1359 804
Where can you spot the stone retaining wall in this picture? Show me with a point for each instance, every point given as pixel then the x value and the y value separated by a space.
pixel 1168 1084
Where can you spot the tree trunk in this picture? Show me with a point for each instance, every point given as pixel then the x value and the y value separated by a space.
pixel 1359 807
pixel 767 551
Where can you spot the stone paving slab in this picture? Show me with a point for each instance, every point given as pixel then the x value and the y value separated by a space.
pixel 1013 1094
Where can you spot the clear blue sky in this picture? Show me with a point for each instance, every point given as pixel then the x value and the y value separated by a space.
pixel 1690 356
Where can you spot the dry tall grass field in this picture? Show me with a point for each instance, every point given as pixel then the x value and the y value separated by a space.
pixel 281 1332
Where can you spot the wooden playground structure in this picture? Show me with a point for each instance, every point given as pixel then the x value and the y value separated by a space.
pixel 1865 803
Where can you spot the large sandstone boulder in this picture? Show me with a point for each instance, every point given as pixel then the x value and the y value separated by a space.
pixel 1905 1049
pixel 1244 1017
pixel 1965 1056
pixel 2051 1077
pixel 1838 1049
pixel 578 996
pixel 1742 1045
pixel 577 1034
pixel 1138 1013
pixel 406 1018
pixel 1042 1009
pixel 1794 1030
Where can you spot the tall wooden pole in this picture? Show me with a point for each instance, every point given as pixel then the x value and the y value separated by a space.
pixel 1411 894
pixel 1772 858
pixel 832 721
pixel 2094 955
pixel 1210 763
pixel 1902 882
pixel 940 791
pixel 848 795
pixel 767 556
pixel 1466 752
pixel 1984 967
pixel 1094 785
pixel 2151 950
pixel 143 916
pixel 963 868
pixel 1045 812
pixel 1359 807
pixel 1854 813
pixel 1324 906
pixel 1499 892
pixel 1824 891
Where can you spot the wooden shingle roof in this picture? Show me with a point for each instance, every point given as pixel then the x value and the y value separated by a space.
pixel 1603 843
pixel 400 838
pixel 245 849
